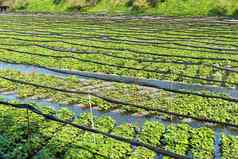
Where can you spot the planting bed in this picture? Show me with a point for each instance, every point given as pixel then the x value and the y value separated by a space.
pixel 170 83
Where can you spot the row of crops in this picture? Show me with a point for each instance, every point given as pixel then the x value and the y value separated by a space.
pixel 106 64
pixel 172 54
pixel 142 100
pixel 48 139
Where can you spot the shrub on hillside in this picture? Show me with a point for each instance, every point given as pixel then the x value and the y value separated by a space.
pixel 141 4
pixel 81 3
pixel 235 13
pixel 57 1
pixel 138 5
pixel 119 2
pixel 78 4
pixel 144 4
pixel 220 11
pixel 153 3
pixel 20 4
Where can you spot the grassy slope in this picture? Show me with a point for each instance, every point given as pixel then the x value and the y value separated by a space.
pixel 170 7
pixel 176 7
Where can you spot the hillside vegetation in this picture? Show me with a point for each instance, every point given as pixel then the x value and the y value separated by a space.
pixel 148 7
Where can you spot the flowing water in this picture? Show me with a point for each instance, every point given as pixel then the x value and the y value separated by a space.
pixel 119 117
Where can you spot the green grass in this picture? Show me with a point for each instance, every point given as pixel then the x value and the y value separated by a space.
pixel 107 7
pixel 45 6
pixel 178 7
pixel 167 8
pixel 170 7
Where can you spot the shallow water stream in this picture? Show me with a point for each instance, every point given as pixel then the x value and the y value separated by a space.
pixel 119 117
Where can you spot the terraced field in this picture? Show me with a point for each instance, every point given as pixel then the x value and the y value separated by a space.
pixel 118 87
